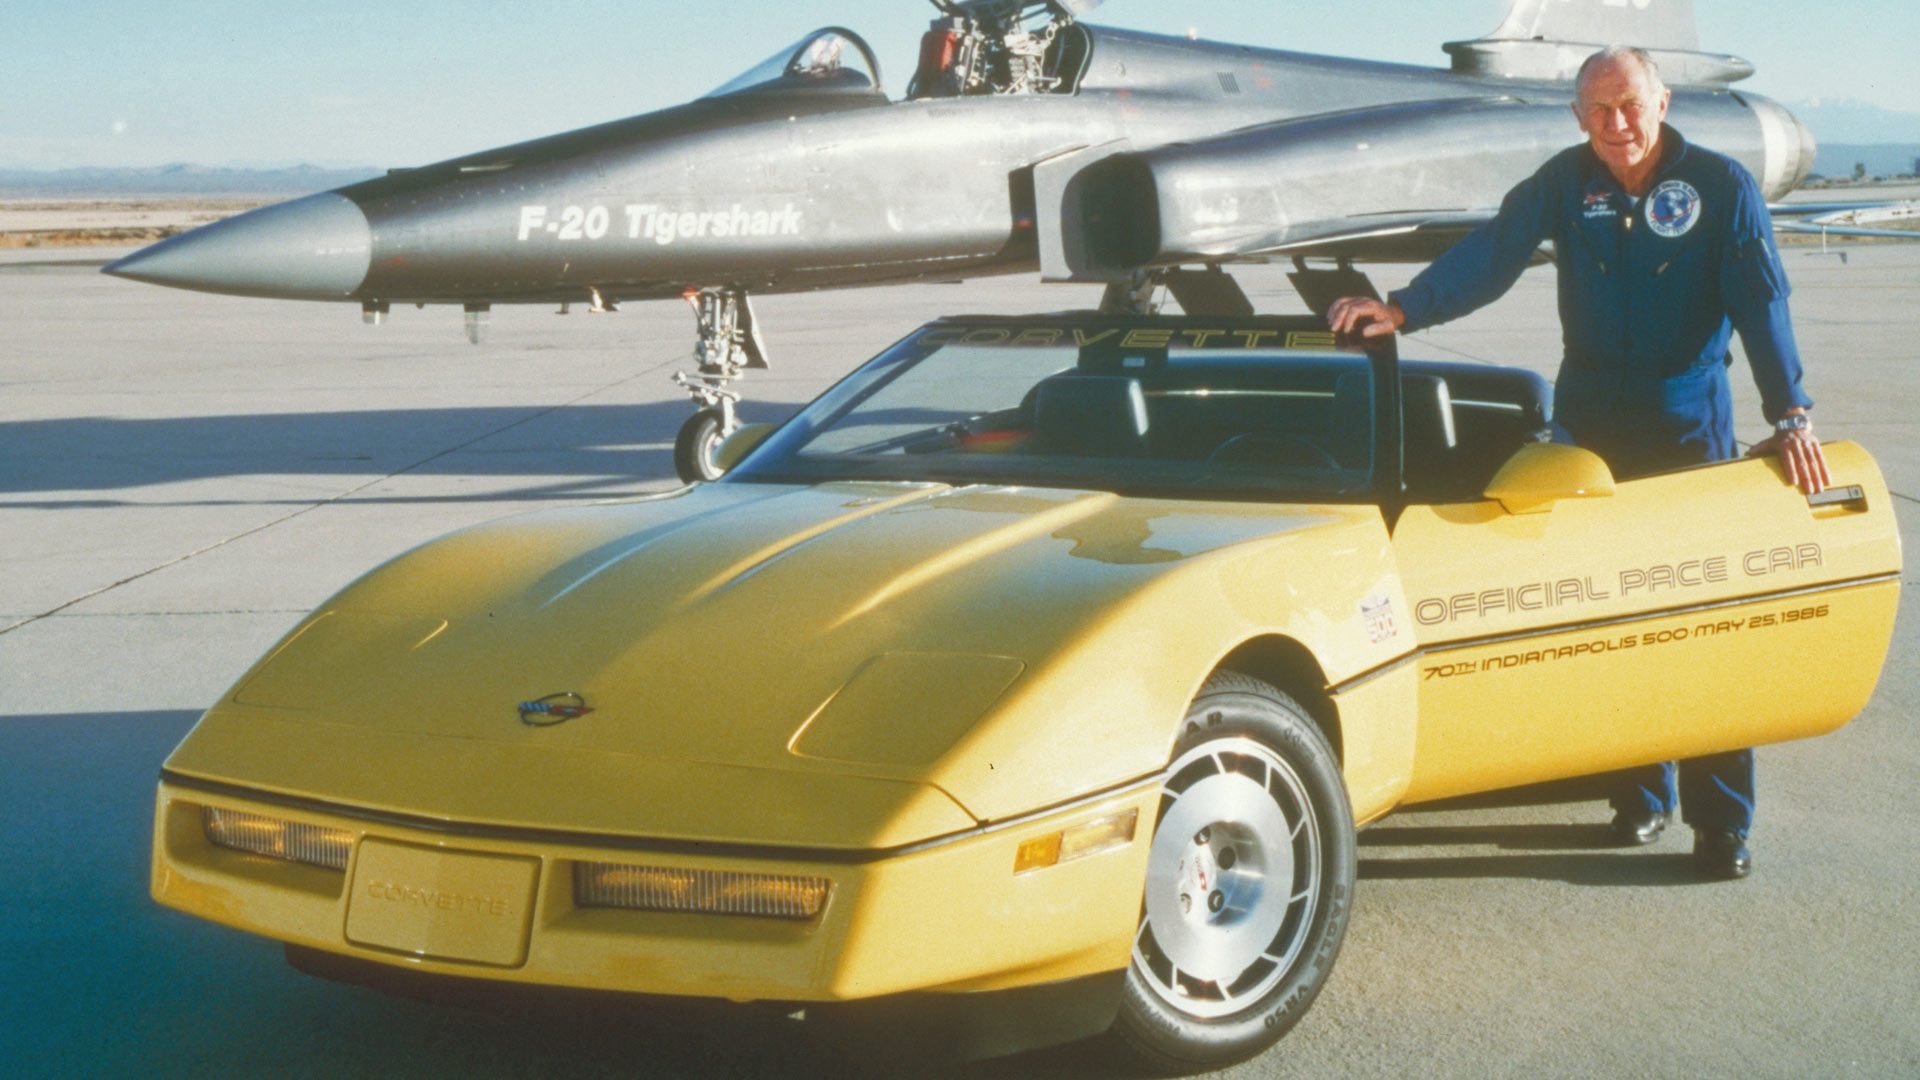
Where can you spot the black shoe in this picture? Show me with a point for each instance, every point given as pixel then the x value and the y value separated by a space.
pixel 1638 828
pixel 1721 854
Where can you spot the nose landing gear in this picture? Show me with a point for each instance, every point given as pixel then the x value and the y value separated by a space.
pixel 729 345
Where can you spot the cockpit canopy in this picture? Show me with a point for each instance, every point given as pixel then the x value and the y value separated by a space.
pixel 832 58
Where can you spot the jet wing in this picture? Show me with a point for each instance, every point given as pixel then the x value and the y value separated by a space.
pixel 1420 236
pixel 1849 219
pixel 1811 209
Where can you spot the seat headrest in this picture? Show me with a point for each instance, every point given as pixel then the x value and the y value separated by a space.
pixel 1090 416
pixel 1350 419
pixel 1426 408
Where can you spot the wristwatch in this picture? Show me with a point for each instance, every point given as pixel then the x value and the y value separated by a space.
pixel 1792 422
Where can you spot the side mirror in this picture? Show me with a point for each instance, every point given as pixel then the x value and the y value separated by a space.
pixel 739 444
pixel 1541 474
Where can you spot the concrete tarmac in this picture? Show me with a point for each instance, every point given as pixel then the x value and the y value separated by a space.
pixel 183 476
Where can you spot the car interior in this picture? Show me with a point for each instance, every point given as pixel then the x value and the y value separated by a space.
pixel 1210 420
pixel 1462 421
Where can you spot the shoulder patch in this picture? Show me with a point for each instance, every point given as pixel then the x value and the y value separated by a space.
pixel 1673 208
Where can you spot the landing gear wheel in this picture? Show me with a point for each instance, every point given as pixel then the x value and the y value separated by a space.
pixel 693 448
pixel 1249 883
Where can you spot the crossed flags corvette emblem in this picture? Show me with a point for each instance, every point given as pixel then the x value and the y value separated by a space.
pixel 553 709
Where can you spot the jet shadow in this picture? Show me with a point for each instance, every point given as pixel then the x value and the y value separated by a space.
pixel 602 445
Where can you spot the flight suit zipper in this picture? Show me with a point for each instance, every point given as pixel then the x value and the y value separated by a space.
pixel 1626 281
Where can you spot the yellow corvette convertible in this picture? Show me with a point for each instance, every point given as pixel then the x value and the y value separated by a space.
pixel 1050 660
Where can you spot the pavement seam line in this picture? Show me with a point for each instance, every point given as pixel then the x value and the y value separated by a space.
pixel 429 459
pixel 181 614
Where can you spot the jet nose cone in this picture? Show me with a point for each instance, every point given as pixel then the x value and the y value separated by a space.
pixel 314 248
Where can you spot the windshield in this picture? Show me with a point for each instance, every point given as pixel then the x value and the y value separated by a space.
pixel 1148 406
pixel 829 59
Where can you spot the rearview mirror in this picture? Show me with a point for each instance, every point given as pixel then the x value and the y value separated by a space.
pixel 739 444
pixel 1541 474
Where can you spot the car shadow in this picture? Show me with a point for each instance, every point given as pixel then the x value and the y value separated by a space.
pixel 1505 837
pixel 102 981
pixel 1578 854
pixel 1643 869
pixel 151 992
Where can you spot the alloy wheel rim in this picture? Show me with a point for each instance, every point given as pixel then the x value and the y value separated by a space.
pixel 1233 879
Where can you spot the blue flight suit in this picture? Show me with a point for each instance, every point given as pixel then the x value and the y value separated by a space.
pixel 1650 291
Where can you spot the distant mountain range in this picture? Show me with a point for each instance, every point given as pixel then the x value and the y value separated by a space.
pixel 1854 133
pixel 179 180
pixel 1881 159
pixel 1849 133
pixel 1856 122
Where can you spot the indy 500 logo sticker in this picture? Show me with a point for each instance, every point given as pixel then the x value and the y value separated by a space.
pixel 1672 208
pixel 1377 611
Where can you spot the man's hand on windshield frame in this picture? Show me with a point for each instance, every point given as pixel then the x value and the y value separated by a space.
pixel 1372 317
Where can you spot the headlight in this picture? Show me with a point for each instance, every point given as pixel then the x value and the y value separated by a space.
pixel 710 892
pixel 315 845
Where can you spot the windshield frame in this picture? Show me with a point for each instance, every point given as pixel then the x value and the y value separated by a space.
pixel 772 459
pixel 775 74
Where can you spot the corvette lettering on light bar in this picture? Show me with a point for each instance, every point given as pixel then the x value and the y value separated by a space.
pixel 1134 338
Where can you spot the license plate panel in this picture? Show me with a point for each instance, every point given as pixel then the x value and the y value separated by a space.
pixel 441 904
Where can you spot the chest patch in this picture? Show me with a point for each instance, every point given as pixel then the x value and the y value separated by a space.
pixel 1596 203
pixel 1673 208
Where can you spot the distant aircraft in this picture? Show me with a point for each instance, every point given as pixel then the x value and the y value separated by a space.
pixel 1027 140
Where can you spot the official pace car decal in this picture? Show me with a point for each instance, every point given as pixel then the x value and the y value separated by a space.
pixel 1632 582
pixel 1710 627
pixel 1672 208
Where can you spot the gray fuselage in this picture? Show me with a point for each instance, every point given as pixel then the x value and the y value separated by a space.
pixel 788 188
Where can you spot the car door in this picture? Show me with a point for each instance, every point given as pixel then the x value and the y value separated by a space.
pixel 1573 625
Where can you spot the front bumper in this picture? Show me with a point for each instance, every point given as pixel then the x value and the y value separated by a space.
pixel 946 915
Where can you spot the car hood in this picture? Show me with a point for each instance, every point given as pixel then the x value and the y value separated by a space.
pixel 706 631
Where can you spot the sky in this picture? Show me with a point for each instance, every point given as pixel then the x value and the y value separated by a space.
pixel 405 82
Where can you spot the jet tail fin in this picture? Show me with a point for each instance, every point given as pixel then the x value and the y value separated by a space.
pixel 1650 24
pixel 1549 39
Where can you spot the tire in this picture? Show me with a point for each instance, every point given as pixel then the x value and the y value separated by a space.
pixel 1254 799
pixel 693 448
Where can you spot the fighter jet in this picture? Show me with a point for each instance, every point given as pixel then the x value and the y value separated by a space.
pixel 1027 140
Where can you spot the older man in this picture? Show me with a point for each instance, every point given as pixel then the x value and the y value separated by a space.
pixel 1663 250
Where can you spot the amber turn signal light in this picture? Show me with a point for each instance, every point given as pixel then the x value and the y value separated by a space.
pixel 1089 838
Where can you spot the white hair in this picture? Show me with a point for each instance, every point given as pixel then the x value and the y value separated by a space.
pixel 1615 53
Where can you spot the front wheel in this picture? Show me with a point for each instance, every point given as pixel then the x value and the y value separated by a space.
pixel 693 448
pixel 1249 883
